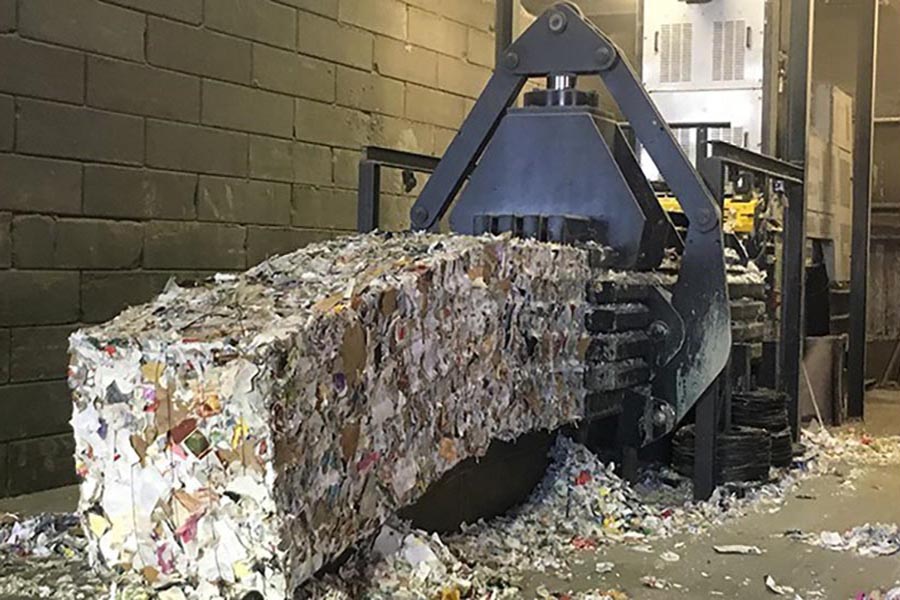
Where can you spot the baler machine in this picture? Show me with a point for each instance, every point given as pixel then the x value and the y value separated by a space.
pixel 557 169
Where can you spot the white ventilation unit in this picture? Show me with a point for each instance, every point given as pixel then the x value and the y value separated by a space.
pixel 730 39
pixel 733 135
pixel 675 46
pixel 714 45
pixel 703 63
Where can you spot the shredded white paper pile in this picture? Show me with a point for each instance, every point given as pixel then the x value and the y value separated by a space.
pixel 239 435
pixel 580 506
pixel 877 539
pixel 40 536
pixel 853 446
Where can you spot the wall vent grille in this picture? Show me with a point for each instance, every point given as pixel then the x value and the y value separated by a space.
pixel 729 50
pixel 675 52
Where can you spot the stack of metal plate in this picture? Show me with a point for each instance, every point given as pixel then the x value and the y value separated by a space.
pixel 742 454
pixel 765 409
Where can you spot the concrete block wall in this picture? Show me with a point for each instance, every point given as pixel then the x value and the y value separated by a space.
pixel 144 139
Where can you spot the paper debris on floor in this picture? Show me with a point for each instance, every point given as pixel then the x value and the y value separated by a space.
pixel 497 556
pixel 737 549
pixel 853 446
pixel 775 588
pixel 890 594
pixel 877 539
pixel 670 557
pixel 41 536
pixel 654 582
pixel 604 567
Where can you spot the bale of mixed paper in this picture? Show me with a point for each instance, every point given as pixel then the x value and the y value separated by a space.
pixel 240 434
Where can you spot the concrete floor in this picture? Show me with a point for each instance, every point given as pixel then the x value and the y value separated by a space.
pixel 59 500
pixel 805 568
pixel 700 572
pixel 883 412
pixel 813 572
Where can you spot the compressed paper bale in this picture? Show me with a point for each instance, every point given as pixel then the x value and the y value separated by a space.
pixel 244 433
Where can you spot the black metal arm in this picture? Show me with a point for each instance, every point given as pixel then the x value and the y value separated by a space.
pixel 463 152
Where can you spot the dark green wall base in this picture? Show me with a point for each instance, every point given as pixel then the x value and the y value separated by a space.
pixel 36 464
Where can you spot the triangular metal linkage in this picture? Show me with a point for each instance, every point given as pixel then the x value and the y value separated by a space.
pixel 563 41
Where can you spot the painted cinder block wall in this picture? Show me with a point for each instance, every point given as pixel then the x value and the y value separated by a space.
pixel 143 139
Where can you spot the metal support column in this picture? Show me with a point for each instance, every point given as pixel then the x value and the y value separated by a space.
pixel 768 367
pixel 368 206
pixel 862 202
pixel 799 67
pixel 503 27
pixel 793 280
pixel 705 443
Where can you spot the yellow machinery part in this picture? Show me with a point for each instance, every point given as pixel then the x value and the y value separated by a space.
pixel 740 215
pixel 740 211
